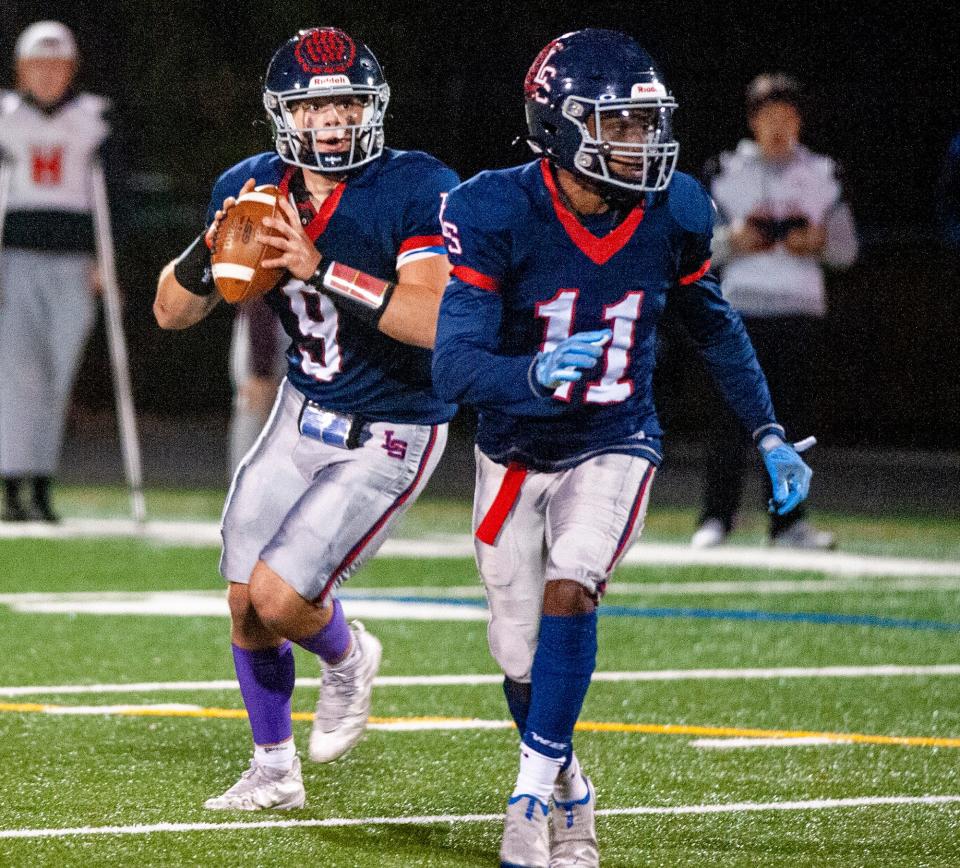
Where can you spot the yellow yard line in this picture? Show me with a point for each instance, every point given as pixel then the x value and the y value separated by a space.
pixel 735 732
pixel 582 726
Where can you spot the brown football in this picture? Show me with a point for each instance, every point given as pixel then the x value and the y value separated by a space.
pixel 236 253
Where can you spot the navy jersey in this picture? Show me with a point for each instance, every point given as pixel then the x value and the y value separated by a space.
pixel 528 273
pixel 379 219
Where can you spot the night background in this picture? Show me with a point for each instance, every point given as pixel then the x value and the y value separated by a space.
pixel 884 101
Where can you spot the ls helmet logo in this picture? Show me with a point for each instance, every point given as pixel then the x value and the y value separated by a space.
pixel 325 52
pixel 537 85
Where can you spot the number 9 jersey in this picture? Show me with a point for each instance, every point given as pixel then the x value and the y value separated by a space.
pixel 528 273
pixel 383 216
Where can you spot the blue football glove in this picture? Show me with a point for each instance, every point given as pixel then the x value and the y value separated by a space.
pixel 567 360
pixel 789 474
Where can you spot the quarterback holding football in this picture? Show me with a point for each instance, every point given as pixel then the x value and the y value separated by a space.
pixel 343 236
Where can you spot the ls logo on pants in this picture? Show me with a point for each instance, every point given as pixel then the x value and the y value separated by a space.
pixel 395 448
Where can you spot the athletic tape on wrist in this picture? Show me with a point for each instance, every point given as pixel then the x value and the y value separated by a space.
pixel 355 291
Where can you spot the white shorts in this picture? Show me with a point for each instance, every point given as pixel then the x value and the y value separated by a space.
pixel 573 524
pixel 313 512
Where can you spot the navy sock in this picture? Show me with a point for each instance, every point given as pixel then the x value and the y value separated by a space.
pixel 518 701
pixel 562 666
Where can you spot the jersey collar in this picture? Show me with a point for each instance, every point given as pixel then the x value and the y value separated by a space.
pixel 597 250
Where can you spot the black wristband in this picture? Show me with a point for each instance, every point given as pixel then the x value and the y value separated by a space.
pixel 192 267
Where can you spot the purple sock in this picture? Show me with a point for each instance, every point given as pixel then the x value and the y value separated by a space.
pixel 266 683
pixel 331 642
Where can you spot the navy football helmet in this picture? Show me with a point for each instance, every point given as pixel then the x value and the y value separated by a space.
pixel 597 106
pixel 324 62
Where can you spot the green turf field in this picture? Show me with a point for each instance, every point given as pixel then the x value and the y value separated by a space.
pixel 885 742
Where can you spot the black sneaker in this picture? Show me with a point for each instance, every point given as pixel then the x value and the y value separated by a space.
pixel 13 512
pixel 41 512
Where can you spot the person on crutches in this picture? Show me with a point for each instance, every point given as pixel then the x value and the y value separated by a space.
pixel 53 218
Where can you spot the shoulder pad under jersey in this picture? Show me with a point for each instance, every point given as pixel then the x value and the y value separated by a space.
pixel 690 204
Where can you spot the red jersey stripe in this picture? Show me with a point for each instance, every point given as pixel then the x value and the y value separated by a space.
pixel 693 278
pixel 421 241
pixel 315 228
pixel 476 278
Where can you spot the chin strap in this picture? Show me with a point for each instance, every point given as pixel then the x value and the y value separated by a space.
pixel 623 201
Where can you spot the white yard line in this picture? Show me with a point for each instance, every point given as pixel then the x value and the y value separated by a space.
pixel 93 710
pixel 873 584
pixel 733 743
pixel 838 563
pixel 196 533
pixel 437 819
pixel 206 603
pixel 881 671
pixel 383 603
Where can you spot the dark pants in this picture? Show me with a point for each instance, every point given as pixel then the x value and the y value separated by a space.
pixel 790 351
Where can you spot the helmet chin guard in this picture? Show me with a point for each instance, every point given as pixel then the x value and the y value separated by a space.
pixel 317 63
pixel 597 106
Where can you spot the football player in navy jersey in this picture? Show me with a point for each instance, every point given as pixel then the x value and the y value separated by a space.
pixel 562 268
pixel 356 430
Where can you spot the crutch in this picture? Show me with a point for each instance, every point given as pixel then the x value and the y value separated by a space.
pixel 126 417
pixel 6 174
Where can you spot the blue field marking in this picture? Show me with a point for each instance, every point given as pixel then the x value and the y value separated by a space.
pixel 713 614
pixel 796 617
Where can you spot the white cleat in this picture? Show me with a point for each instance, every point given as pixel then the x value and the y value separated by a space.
pixel 344 706
pixel 526 834
pixel 711 533
pixel 573 829
pixel 262 787
pixel 803 535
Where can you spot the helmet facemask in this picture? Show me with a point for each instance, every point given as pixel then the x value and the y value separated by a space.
pixel 633 133
pixel 298 145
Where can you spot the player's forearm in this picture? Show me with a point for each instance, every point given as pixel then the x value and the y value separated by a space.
pixel 733 364
pixel 725 346
pixel 176 307
pixel 466 367
pixel 464 374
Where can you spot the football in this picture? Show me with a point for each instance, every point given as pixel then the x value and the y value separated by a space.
pixel 236 254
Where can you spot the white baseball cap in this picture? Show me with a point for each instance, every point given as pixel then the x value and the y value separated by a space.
pixel 47 40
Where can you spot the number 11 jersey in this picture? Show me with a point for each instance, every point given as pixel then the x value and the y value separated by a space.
pixel 528 273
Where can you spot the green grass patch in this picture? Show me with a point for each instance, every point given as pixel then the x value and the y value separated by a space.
pixel 98 770
pixel 902 535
